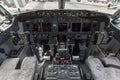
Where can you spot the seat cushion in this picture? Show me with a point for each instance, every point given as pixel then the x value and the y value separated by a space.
pixel 96 68
pixel 10 75
pixel 25 73
pixel 9 64
pixel 28 63
pixel 16 75
pixel 112 74
pixel 28 67
pixel 111 61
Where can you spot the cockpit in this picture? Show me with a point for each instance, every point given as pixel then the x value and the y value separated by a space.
pixel 60 45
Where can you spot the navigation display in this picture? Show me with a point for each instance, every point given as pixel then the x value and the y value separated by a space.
pixel 76 27
pixel 86 27
pixel 46 27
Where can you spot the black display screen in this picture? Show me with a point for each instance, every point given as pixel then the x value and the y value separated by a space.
pixel 46 27
pixel 35 27
pixel 86 27
pixel 62 27
pixel 76 27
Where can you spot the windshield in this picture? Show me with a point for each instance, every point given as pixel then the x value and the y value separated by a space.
pixel 104 6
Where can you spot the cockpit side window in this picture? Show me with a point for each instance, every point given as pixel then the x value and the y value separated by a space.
pixel 5 13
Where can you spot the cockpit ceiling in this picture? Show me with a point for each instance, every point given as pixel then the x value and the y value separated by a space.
pixel 66 14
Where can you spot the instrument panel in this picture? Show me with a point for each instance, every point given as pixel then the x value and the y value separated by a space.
pixel 62 25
